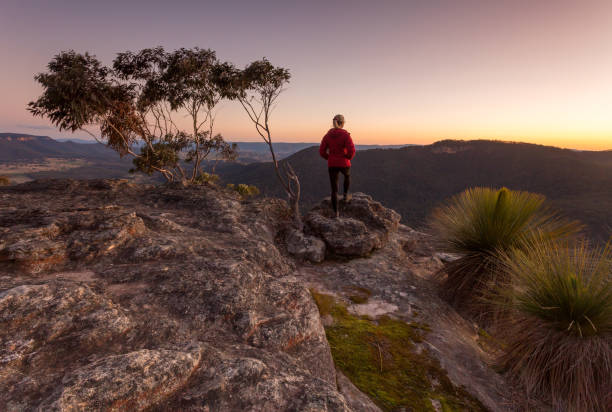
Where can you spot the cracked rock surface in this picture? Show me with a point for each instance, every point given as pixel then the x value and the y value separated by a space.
pixel 125 297
pixel 122 297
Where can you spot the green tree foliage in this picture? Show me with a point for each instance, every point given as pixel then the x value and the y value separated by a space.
pixel 478 226
pixel 558 325
pixel 135 104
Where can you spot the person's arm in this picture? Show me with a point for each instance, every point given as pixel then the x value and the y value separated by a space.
pixel 350 147
pixel 323 148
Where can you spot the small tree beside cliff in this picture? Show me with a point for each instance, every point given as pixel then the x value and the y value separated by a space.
pixel 135 105
pixel 257 87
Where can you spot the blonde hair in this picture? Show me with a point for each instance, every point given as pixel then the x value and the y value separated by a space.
pixel 338 121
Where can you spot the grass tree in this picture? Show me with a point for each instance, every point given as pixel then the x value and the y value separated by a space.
pixel 257 88
pixel 481 224
pixel 558 329
pixel 136 103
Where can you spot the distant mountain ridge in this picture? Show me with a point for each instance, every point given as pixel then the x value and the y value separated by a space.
pixel 74 140
pixel 19 147
pixel 290 146
pixel 414 180
pixel 250 152
pixel 18 137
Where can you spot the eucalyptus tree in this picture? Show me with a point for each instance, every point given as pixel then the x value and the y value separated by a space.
pixel 257 88
pixel 136 105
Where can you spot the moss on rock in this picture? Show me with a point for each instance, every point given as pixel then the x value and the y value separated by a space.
pixel 380 357
pixel 358 295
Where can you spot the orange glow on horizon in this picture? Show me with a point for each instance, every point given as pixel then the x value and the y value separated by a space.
pixel 578 141
pixel 524 71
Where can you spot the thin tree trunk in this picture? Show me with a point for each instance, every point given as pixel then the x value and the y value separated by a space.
pixel 293 183
pixel 196 138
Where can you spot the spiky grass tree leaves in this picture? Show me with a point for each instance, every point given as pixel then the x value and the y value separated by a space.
pixel 478 226
pixel 558 323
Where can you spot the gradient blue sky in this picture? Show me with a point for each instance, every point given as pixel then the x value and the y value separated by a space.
pixel 400 71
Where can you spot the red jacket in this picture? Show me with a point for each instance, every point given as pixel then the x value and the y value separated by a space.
pixel 337 147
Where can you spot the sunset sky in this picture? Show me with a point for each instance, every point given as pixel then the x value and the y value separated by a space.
pixel 400 71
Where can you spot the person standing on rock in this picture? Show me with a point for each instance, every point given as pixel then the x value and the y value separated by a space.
pixel 338 148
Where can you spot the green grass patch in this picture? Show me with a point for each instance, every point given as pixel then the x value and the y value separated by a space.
pixel 381 359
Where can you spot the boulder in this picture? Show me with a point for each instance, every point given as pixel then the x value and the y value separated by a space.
pixel 133 381
pixel 47 314
pixel 304 247
pixel 237 378
pixel 45 329
pixel 363 226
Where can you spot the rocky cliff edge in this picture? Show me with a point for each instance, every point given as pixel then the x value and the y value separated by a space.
pixel 123 297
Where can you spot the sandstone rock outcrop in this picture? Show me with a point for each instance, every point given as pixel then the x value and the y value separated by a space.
pixel 363 226
pixel 132 381
pixel 127 297
pixel 122 297
pixel 304 247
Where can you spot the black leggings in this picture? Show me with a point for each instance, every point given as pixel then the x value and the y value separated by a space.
pixel 334 172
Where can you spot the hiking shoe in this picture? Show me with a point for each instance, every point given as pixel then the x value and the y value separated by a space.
pixel 347 197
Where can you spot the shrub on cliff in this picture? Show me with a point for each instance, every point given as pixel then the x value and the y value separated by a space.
pixel 558 329
pixel 244 190
pixel 478 226
pixel 205 177
pixel 4 181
